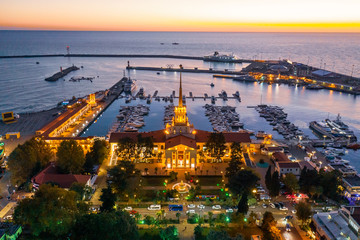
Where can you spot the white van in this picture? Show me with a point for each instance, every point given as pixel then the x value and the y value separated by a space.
pixel 154 207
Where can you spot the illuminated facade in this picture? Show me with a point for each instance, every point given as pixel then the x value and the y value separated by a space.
pixel 179 144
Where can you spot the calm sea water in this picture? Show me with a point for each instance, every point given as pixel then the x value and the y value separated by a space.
pixel 23 88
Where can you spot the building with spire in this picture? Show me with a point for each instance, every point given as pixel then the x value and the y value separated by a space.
pixel 179 144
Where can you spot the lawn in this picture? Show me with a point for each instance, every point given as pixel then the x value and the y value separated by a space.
pixel 154 181
pixel 209 181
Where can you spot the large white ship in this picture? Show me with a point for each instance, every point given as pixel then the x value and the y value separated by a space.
pixel 216 57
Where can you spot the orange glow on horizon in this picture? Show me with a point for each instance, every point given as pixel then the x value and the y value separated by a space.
pixel 187 15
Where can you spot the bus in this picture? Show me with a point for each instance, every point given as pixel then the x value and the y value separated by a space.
pixel 175 207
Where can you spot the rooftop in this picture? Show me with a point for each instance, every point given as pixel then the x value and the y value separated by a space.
pixel 289 165
pixel 335 226
pixel 280 157
pixel 50 174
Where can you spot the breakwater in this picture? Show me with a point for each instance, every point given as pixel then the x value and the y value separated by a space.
pixel 61 74
pixel 123 56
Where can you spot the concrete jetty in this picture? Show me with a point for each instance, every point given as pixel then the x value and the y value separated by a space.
pixel 61 74
pixel 122 56
pixel 189 70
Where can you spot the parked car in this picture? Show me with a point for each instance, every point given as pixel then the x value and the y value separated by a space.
pixel 293 211
pixel 201 206
pixel 277 205
pixel 272 205
pixel 192 211
pixel 154 207
pixel 216 207
pixel 191 206
pixel 289 217
pixel 229 210
pixel 264 205
pixel 128 208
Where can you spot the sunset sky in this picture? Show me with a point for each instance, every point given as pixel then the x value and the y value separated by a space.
pixel 186 15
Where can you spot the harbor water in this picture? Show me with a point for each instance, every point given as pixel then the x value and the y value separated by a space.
pixel 24 89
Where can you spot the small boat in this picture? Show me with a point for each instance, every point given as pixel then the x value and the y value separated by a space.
pixel 212 84
pixel 175 43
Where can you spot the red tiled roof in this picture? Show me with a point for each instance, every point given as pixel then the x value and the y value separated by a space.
pixel 61 119
pixel 241 137
pixel 157 136
pixel 280 157
pixel 50 174
pixel 180 139
pixel 289 165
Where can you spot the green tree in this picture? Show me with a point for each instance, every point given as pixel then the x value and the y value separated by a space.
pixel 303 211
pixel 105 225
pixel 70 157
pixel 198 233
pixel 217 235
pixel 215 146
pixel 126 148
pixel 242 184
pixel 98 153
pixel 144 146
pixel 108 199
pixel 268 178
pixel 269 227
pixel 149 220
pixel 50 212
pixel 275 185
pixel 291 182
pixel 178 215
pixel 211 214
pixel 79 188
pixel 243 206
pixel 169 233
pixel 124 177
pixel 28 159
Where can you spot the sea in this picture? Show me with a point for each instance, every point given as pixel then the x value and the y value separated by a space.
pixel 23 88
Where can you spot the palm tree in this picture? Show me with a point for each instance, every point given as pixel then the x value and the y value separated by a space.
pixel 178 216
pixel 137 216
pixel 211 214
pixel 158 214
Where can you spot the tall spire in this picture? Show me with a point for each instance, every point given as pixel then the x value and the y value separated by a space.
pixel 180 94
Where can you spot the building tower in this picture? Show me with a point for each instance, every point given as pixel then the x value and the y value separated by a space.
pixel 180 123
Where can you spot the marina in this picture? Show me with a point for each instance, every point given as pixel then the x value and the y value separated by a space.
pixel 223 118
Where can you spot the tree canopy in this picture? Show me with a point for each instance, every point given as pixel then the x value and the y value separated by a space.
pixel 169 233
pixel 28 159
pixel 303 211
pixel 105 226
pixel 50 212
pixel 97 154
pixel 242 184
pixel 269 227
pixel 321 183
pixel 70 157
pixel 123 177
pixel 291 182
pixel 215 146
pixel 108 199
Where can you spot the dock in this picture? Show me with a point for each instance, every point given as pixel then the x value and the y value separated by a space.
pixel 189 70
pixel 61 74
